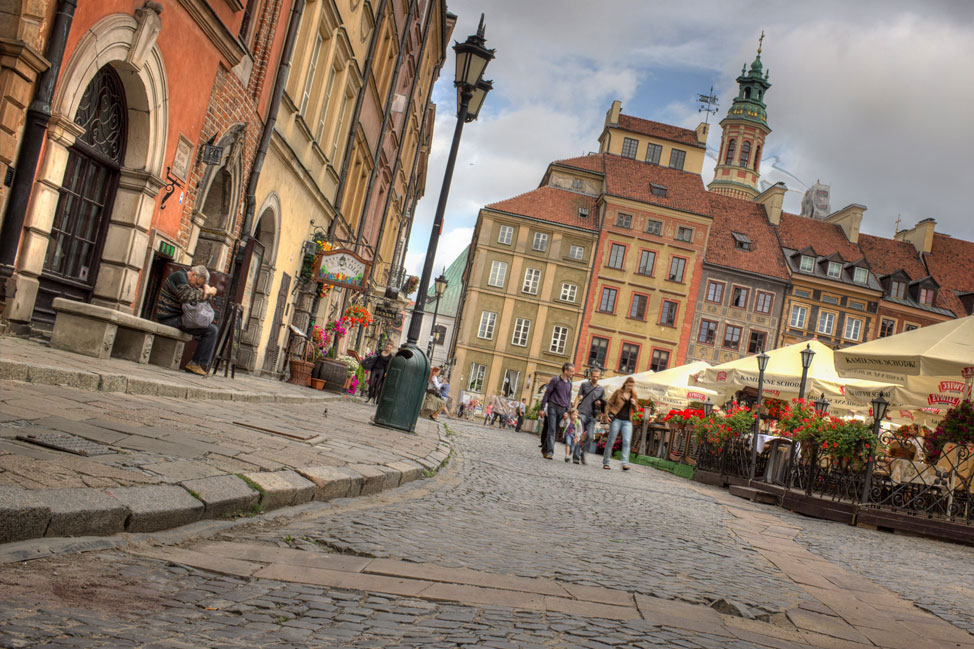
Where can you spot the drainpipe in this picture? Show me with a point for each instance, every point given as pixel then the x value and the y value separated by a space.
pixel 359 101
pixel 38 115
pixel 250 198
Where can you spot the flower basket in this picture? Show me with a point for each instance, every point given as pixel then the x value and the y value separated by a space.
pixel 300 371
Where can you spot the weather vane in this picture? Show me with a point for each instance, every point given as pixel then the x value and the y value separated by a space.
pixel 708 104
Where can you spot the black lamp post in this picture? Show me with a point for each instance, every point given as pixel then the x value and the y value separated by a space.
pixel 762 366
pixel 822 405
pixel 879 413
pixel 439 287
pixel 708 407
pixel 807 355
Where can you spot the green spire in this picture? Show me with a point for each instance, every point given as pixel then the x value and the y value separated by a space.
pixel 749 103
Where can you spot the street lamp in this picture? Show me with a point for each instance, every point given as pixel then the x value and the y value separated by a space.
pixel 708 407
pixel 822 405
pixel 879 413
pixel 762 366
pixel 807 354
pixel 439 287
pixel 472 58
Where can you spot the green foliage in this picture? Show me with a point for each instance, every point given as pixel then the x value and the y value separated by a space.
pixel 847 440
pixel 956 428
pixel 250 483
pixel 533 411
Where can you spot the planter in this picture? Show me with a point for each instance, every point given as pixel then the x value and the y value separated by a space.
pixel 334 374
pixel 300 371
pixel 317 384
pixel 529 426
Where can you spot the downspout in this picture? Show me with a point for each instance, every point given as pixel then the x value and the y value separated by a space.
pixel 283 67
pixel 38 115
pixel 359 101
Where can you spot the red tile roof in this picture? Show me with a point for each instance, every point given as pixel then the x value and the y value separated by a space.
pixel 591 162
pixel 798 232
pixel 750 219
pixel 631 179
pixel 553 205
pixel 886 256
pixel 659 130
pixel 951 263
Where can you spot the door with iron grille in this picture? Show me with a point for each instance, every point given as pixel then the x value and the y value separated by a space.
pixel 86 196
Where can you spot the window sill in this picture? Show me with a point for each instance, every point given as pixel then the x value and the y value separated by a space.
pixel 605 312
pixel 674 281
pixel 663 324
pixel 629 317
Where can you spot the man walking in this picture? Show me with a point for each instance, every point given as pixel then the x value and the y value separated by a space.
pixel 590 403
pixel 554 404
pixel 521 407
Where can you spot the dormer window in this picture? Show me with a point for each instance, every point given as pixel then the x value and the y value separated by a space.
pixel 926 296
pixel 897 289
pixel 741 241
pixel 583 212
pixel 834 270
pixel 861 276
pixel 657 190
pixel 577 183
pixel 807 264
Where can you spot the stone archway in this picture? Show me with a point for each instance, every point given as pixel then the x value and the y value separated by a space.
pixel 215 215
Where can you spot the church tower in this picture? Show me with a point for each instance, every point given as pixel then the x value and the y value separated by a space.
pixel 744 130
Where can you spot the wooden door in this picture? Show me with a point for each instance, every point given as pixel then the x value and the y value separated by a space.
pixel 271 356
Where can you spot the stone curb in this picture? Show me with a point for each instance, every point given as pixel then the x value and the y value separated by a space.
pixel 84 512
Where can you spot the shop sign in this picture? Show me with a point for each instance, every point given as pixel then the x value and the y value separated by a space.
pixel 342 268
pixel 385 311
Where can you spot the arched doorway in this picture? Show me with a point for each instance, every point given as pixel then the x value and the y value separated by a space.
pixel 86 195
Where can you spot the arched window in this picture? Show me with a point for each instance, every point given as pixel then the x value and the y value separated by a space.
pixel 747 93
pixel 729 159
pixel 757 158
pixel 745 153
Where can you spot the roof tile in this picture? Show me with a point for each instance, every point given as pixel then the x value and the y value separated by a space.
pixel 798 232
pixel 659 130
pixel 553 205
pixel 631 179
pixel 951 263
pixel 745 217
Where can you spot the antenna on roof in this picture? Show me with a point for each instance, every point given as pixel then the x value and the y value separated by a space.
pixel 896 228
pixel 708 104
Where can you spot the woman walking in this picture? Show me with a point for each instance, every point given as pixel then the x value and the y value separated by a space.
pixel 376 365
pixel 620 408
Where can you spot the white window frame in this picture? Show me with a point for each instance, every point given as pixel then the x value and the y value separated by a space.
pixel 827 318
pixel 522 328
pixel 312 71
pixel 559 339
pixel 540 242
pixel 798 308
pixel 861 272
pixel 807 264
pixel 576 252
pixel 849 321
pixel 684 233
pixel 498 273
pixel 532 280
pixel 833 265
pixel 569 292
pixel 488 322
pixel 477 373
pixel 506 235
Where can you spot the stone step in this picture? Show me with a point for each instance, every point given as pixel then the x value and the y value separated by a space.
pixel 756 495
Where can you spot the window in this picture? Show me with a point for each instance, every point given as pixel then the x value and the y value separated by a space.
pixel 576 252
pixel 739 297
pixel 336 138
pixel 568 292
pixel 583 212
pixel 511 380
pixel 487 322
pixel 660 360
pixel 741 241
pixel 887 327
pixel 637 309
pixel 798 316
pixel 807 264
pixel 926 296
pixel 617 253
pixel 715 292
pixel 312 69
pixel 576 183
pixel 521 329
pixel 853 328
pixel 676 158
pixel 476 383
pixel 629 147
pixel 654 227
pixel 897 290
pixel 834 269
pixel 858 306
pixel 763 302
pixel 745 153
pixel 624 220
pixel 657 190
pixel 677 266
pixel 627 358
pixel 732 337
pixel 506 235
pixel 826 323
pixel 755 345
pixel 861 276
pixel 540 242
pixel 830 299
pixel 910 327
pixel 707 332
pixel 598 351
pixel 653 152
pixel 667 313
pixel 532 276
pixel 801 293
pixel 684 234
pixel 326 101
pixel 729 158
pixel 608 301
pixel 498 273
pixel 647 260
pixel 559 338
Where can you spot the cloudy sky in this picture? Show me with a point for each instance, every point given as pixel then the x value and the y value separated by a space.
pixel 872 98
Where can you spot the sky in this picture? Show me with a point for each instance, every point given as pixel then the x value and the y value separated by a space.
pixel 871 98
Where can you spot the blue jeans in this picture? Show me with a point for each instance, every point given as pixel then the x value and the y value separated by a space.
pixel 614 428
pixel 552 419
pixel 581 439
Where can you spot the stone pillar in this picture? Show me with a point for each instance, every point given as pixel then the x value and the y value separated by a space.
pixel 22 285
pixel 127 240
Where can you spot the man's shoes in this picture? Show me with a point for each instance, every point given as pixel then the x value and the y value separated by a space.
pixel 548 456
pixel 575 462
pixel 583 459
pixel 567 459
pixel 195 368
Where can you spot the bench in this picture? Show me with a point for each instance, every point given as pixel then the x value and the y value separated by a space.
pixel 102 332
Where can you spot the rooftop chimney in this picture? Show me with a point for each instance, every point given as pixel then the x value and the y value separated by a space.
pixel 920 235
pixel 703 129
pixel 772 198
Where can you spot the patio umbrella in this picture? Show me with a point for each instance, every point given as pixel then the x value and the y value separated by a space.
pixel 676 386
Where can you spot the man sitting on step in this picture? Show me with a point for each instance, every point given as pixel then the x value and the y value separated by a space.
pixel 181 288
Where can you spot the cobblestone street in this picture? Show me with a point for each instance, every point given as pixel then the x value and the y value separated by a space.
pixel 632 559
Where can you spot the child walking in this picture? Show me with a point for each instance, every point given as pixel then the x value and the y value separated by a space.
pixel 573 432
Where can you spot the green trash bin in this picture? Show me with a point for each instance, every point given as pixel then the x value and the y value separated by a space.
pixel 404 389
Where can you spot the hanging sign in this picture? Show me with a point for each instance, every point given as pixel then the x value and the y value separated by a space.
pixel 385 311
pixel 342 268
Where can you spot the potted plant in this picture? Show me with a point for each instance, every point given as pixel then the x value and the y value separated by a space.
pixel 333 371
pixel 957 428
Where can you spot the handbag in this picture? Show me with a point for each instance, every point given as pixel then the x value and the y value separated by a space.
pixel 197 315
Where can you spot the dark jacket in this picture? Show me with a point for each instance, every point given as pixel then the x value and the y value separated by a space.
pixel 616 402
pixel 177 291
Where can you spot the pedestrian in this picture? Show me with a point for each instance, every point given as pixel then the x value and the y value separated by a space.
pixel 434 403
pixel 590 403
pixel 186 287
pixel 620 408
pixel 488 418
pixel 573 430
pixel 377 365
pixel 460 411
pixel 521 408
pixel 555 402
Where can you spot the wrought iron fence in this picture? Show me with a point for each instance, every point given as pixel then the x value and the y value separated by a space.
pixel 825 476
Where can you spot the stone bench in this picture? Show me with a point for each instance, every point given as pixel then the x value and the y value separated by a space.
pixel 106 333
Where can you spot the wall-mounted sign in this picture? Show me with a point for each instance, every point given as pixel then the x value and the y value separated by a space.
pixel 212 154
pixel 180 161
pixel 385 311
pixel 342 268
